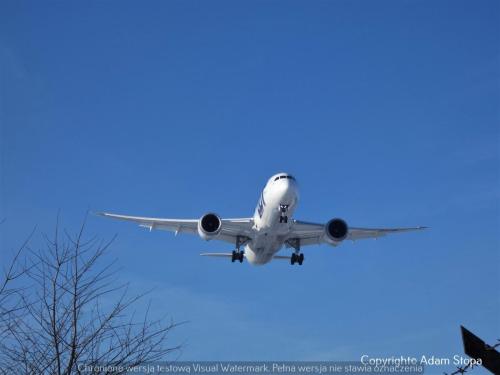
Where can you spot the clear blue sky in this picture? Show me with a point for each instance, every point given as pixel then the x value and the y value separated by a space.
pixel 387 113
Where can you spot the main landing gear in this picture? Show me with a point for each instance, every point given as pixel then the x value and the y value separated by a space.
pixel 238 254
pixel 283 211
pixel 297 256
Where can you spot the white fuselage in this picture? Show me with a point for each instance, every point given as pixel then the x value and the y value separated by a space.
pixel 270 232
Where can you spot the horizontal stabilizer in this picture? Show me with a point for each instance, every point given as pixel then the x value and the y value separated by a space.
pixel 222 255
pixel 229 255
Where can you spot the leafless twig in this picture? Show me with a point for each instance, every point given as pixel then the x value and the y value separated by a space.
pixel 74 313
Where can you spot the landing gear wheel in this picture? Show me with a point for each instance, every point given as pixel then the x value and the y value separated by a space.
pixel 283 219
pixel 237 255
pixel 301 259
pixel 297 258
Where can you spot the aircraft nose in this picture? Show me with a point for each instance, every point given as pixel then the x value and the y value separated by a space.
pixel 283 185
pixel 287 191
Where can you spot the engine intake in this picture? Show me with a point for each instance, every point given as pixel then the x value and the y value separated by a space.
pixel 336 230
pixel 209 226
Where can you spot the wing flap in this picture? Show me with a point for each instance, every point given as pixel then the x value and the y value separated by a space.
pixel 314 233
pixel 231 228
pixel 174 225
pixel 363 233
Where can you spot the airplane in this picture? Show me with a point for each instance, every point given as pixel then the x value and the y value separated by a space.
pixel 258 239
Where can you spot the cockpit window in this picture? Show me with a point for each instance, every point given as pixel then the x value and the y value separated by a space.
pixel 284 176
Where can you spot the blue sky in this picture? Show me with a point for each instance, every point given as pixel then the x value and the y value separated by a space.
pixel 386 112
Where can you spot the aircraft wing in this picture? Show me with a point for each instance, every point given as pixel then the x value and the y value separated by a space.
pixel 231 228
pixel 314 234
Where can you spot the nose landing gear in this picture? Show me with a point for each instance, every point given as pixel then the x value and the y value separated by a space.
pixel 283 211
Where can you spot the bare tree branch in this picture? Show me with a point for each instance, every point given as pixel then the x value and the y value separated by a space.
pixel 74 312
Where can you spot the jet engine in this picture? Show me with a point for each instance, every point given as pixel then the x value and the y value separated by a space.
pixel 209 226
pixel 336 230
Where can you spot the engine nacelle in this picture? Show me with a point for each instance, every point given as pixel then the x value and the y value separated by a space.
pixel 336 230
pixel 209 226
